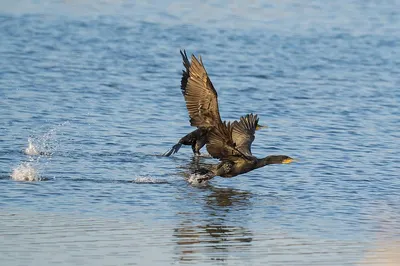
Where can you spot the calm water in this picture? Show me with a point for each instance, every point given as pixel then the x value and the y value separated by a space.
pixel 96 86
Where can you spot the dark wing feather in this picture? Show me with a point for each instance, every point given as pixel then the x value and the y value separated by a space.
pixel 200 95
pixel 221 145
pixel 243 133
pixel 185 73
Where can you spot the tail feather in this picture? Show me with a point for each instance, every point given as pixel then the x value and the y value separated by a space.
pixel 173 150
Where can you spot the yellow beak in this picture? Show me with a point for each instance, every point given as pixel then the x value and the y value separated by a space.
pixel 289 160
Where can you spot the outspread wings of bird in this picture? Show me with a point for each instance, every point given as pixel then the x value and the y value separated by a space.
pixel 225 139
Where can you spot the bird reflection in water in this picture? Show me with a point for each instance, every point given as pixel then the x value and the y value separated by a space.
pixel 216 241
pixel 218 232
pixel 227 197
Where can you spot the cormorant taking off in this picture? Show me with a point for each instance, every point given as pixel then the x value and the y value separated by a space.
pixel 229 142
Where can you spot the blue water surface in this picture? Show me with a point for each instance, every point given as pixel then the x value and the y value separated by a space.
pixel 96 85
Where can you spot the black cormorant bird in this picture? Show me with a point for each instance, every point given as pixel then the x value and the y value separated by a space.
pixel 229 142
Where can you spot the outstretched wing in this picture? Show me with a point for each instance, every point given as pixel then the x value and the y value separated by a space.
pixel 200 96
pixel 243 133
pixel 221 145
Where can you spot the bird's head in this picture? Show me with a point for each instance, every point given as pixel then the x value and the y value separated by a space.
pixel 281 159
pixel 275 159
pixel 286 159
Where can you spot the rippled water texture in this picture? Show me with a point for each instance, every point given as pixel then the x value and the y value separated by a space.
pixel 89 97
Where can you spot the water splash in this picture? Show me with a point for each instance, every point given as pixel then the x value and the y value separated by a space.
pixel 39 151
pixel 197 180
pixel 31 150
pixel 45 144
pixel 25 172
pixel 149 180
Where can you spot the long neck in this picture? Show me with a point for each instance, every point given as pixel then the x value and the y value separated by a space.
pixel 272 159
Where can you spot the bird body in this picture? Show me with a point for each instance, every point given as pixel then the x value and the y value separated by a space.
pixel 235 152
pixel 242 166
pixel 231 169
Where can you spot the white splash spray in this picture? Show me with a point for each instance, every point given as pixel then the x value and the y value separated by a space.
pixel 31 150
pixel 197 180
pixel 148 180
pixel 25 172
pixel 45 144
pixel 40 150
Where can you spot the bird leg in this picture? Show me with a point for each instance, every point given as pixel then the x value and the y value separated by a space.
pixel 195 149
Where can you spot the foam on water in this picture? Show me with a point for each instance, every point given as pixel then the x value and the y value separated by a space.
pixel 194 179
pixel 149 180
pixel 25 172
